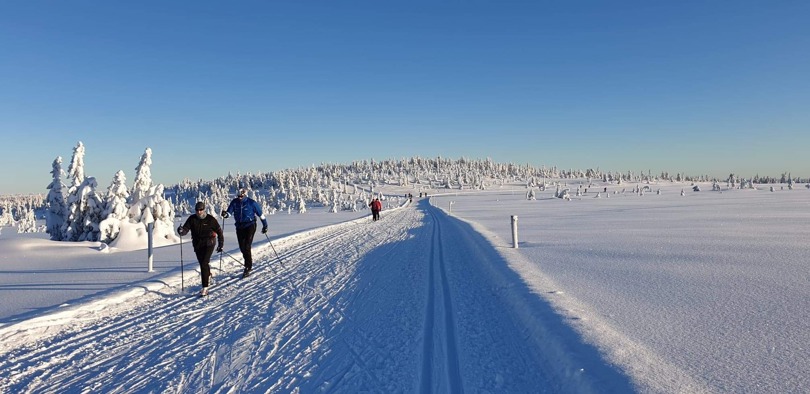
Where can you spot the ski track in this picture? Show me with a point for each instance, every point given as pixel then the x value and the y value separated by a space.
pixel 356 307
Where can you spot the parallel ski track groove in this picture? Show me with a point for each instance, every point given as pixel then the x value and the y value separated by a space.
pixel 438 272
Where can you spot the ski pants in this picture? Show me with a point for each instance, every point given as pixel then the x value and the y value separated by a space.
pixel 375 214
pixel 204 258
pixel 245 238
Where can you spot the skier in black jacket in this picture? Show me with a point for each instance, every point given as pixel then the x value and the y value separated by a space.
pixel 205 233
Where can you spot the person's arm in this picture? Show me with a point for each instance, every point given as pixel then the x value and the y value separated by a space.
pixel 261 216
pixel 220 236
pixel 227 211
pixel 183 230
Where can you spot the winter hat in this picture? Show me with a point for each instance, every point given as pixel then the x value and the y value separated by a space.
pixel 200 206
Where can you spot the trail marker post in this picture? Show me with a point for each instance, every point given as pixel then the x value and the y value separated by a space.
pixel 150 230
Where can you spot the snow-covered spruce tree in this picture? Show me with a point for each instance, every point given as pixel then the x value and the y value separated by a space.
pixel 93 213
pixel 115 208
pixel 150 207
pixel 302 205
pixel 28 222
pixel 72 228
pixel 6 218
pixel 143 178
pixel 85 212
pixel 162 210
pixel 55 208
pixel 141 188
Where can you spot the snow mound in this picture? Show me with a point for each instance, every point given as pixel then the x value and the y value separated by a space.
pixel 134 236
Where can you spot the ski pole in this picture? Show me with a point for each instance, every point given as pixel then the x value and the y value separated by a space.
pixel 223 236
pixel 182 280
pixel 274 251
pixel 289 283
pixel 234 259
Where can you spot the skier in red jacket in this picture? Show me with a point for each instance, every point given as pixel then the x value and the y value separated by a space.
pixel 376 207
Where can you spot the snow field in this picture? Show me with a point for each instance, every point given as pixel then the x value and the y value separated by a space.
pixel 705 292
pixel 384 306
pixel 695 293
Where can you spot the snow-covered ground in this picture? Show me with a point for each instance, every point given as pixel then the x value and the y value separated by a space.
pixel 38 273
pixel 706 292
pixel 710 289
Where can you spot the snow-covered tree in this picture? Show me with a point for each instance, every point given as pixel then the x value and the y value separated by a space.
pixel 302 205
pixel 115 208
pixel 143 178
pixel 28 222
pixel 76 167
pixel 6 218
pixel 152 208
pixel 55 208
pixel 85 212
pixel 73 227
pixel 562 193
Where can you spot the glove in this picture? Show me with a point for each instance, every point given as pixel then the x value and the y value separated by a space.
pixel 264 229
pixel 179 229
pixel 225 214
pixel 219 249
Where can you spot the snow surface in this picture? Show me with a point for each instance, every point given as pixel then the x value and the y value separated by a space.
pixel 706 292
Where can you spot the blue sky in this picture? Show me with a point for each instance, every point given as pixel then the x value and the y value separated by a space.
pixel 216 87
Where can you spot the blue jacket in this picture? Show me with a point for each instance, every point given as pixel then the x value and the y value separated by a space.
pixel 244 212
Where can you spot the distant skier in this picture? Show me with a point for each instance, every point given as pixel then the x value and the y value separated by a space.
pixel 376 207
pixel 245 210
pixel 205 233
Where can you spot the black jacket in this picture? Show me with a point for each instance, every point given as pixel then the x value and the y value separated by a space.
pixel 204 232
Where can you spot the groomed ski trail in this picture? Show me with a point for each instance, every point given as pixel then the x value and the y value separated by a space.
pixel 416 302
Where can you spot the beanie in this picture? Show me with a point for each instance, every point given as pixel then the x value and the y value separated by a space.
pixel 200 206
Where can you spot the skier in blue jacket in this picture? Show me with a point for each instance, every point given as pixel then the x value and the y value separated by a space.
pixel 244 211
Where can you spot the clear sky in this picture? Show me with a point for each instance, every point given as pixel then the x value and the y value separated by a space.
pixel 702 87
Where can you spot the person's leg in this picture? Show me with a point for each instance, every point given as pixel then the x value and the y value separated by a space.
pixel 204 258
pixel 247 253
pixel 244 246
pixel 245 238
